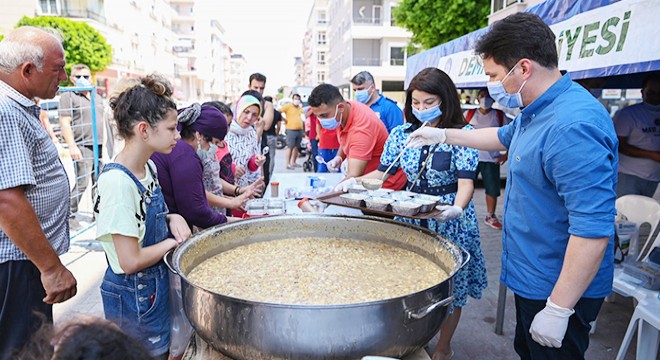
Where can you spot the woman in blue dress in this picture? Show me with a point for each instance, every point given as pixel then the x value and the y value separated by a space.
pixel 446 171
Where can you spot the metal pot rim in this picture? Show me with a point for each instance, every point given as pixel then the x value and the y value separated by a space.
pixel 173 264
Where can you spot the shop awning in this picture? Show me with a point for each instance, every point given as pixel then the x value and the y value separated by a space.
pixel 612 43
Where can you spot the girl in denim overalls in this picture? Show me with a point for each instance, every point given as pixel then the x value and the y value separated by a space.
pixel 132 218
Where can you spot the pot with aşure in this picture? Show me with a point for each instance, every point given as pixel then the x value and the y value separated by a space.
pixel 244 329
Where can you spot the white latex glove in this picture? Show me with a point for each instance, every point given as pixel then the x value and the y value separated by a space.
pixel 448 212
pixel 333 165
pixel 549 325
pixel 426 136
pixel 345 185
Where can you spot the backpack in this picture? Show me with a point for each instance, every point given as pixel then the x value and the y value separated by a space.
pixel 500 116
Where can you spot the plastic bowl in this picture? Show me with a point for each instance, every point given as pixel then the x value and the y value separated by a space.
pixel 408 208
pixel 378 203
pixel 357 189
pixel 353 199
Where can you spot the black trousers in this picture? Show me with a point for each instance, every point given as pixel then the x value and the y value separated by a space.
pixel 576 340
pixel 21 295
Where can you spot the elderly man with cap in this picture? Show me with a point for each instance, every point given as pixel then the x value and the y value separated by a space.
pixel 180 172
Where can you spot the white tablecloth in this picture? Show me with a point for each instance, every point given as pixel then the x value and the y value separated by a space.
pixel 301 180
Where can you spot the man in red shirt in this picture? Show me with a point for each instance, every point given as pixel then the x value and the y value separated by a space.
pixel 361 134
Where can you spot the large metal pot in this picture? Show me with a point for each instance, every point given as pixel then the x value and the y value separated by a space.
pixel 253 330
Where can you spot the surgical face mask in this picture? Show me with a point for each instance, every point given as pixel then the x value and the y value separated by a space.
pixel 296 102
pixel 486 102
pixel 497 92
pixel 83 82
pixel 429 115
pixel 330 123
pixel 363 95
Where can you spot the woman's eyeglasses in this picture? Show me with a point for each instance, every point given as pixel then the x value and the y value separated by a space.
pixel 81 76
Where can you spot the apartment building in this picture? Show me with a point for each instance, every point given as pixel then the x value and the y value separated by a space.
pixel 315 45
pixel 139 34
pixel 179 39
pixel 499 9
pixel 361 36
pixel 238 78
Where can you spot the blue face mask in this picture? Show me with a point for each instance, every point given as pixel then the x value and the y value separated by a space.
pixel 429 115
pixel 497 92
pixel 83 82
pixel 363 95
pixel 330 123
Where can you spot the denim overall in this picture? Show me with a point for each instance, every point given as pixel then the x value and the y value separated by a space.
pixel 139 303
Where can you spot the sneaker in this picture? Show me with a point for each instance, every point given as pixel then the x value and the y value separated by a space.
pixel 492 221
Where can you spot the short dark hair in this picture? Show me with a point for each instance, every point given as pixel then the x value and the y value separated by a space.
pixel 435 81
pixel 362 77
pixel 654 76
pixel 224 108
pixel 257 76
pixel 294 95
pixel 324 94
pixel 518 36
pixel 268 98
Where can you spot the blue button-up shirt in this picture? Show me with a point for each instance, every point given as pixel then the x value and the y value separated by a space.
pixel 561 178
pixel 388 112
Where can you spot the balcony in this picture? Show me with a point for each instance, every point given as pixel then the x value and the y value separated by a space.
pixel 366 62
pixel 374 21
pixel 397 62
pixel 84 14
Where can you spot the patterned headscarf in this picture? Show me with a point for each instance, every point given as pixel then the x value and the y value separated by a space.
pixel 243 103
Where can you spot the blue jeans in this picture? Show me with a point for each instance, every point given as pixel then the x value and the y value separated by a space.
pixel 327 154
pixel 633 185
pixel 576 340
pixel 315 151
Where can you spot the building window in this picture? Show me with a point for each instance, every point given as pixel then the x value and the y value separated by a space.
pixel 322 17
pixel 501 4
pixel 321 38
pixel 397 56
pixel 321 58
pixel 321 76
pixel 49 7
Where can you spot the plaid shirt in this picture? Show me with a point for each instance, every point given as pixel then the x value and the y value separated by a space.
pixel 29 158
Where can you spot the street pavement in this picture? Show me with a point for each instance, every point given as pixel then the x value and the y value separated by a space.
pixel 474 339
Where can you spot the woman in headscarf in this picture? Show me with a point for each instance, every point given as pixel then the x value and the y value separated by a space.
pixel 243 142
pixel 181 172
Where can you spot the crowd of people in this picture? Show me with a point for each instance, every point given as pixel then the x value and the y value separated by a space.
pixel 186 169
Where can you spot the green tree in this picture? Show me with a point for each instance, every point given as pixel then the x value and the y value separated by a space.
pixel 82 43
pixel 434 22
pixel 1 37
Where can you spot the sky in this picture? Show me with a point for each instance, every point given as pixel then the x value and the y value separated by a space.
pixel 268 33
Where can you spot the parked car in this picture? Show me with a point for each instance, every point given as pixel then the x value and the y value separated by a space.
pixel 51 106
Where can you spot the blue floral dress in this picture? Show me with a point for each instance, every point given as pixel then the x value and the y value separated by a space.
pixel 447 164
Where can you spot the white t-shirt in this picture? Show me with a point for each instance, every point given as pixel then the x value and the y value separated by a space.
pixel 640 123
pixel 121 210
pixel 480 121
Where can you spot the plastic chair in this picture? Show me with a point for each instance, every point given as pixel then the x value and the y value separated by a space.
pixel 646 319
pixel 641 209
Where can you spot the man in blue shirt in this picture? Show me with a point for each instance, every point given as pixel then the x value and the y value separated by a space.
pixel 385 108
pixel 557 238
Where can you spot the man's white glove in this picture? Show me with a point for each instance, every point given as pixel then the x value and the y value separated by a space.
pixel 426 136
pixel 448 212
pixel 549 325
pixel 345 185
pixel 333 165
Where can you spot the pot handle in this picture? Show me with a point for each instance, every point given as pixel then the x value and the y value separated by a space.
pixel 466 257
pixel 167 259
pixel 421 313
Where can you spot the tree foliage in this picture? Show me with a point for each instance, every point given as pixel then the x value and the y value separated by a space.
pixel 82 43
pixel 434 22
